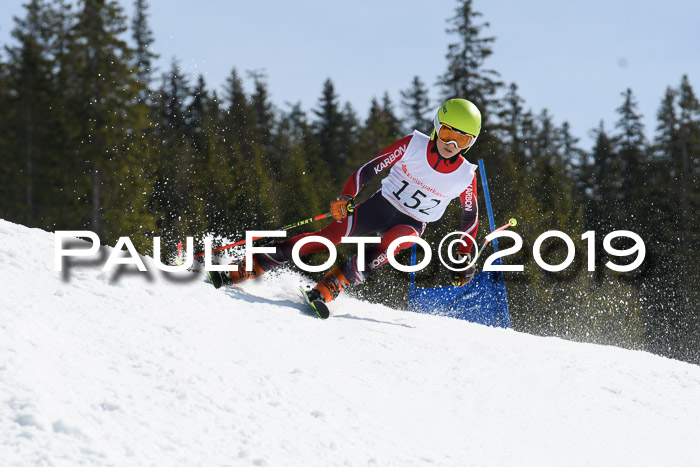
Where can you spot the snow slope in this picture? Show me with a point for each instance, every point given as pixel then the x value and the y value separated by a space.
pixel 138 370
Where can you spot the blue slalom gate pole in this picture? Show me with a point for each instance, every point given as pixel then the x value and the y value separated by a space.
pixel 482 301
pixel 497 275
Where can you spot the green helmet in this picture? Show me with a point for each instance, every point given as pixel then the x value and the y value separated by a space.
pixel 461 115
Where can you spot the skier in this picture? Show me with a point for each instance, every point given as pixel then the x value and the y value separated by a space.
pixel 425 174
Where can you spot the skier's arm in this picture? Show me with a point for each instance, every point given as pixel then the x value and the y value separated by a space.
pixel 470 216
pixel 383 161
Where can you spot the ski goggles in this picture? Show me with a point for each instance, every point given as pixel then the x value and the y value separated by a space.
pixel 449 135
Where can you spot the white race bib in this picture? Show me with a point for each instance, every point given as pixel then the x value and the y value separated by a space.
pixel 418 190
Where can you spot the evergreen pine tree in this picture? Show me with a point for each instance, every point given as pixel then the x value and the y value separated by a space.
pixel 552 179
pixel 106 89
pixel 175 191
pixel 266 160
pixel 195 113
pixel 350 135
pixel 689 174
pixel 511 123
pixel 466 77
pixel 28 75
pixel 688 328
pixel 329 123
pixel 506 170
pixel 8 165
pixel 602 186
pixel 328 129
pixel 416 106
pixel 666 170
pixel 381 127
pixel 238 113
pixel 633 173
pixel 143 53
pixel 234 181
pixel 299 188
pixel 263 113
pixel 666 145
pixel 571 153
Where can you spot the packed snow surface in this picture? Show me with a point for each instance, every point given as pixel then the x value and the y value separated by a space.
pixel 103 368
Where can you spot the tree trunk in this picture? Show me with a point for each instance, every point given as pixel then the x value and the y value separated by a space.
pixel 96 223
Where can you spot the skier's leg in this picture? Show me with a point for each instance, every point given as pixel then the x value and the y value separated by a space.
pixel 349 273
pixel 263 262
pixel 369 216
pixel 378 255
pixel 372 215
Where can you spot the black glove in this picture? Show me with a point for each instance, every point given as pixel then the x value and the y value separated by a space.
pixel 462 278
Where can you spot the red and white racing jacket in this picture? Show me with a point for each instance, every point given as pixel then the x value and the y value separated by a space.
pixel 421 183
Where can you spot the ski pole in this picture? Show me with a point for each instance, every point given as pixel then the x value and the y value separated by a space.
pixel 286 227
pixel 456 280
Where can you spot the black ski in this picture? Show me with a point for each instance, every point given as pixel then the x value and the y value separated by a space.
pixel 319 306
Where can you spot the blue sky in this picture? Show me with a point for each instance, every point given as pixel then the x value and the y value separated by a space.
pixel 574 58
